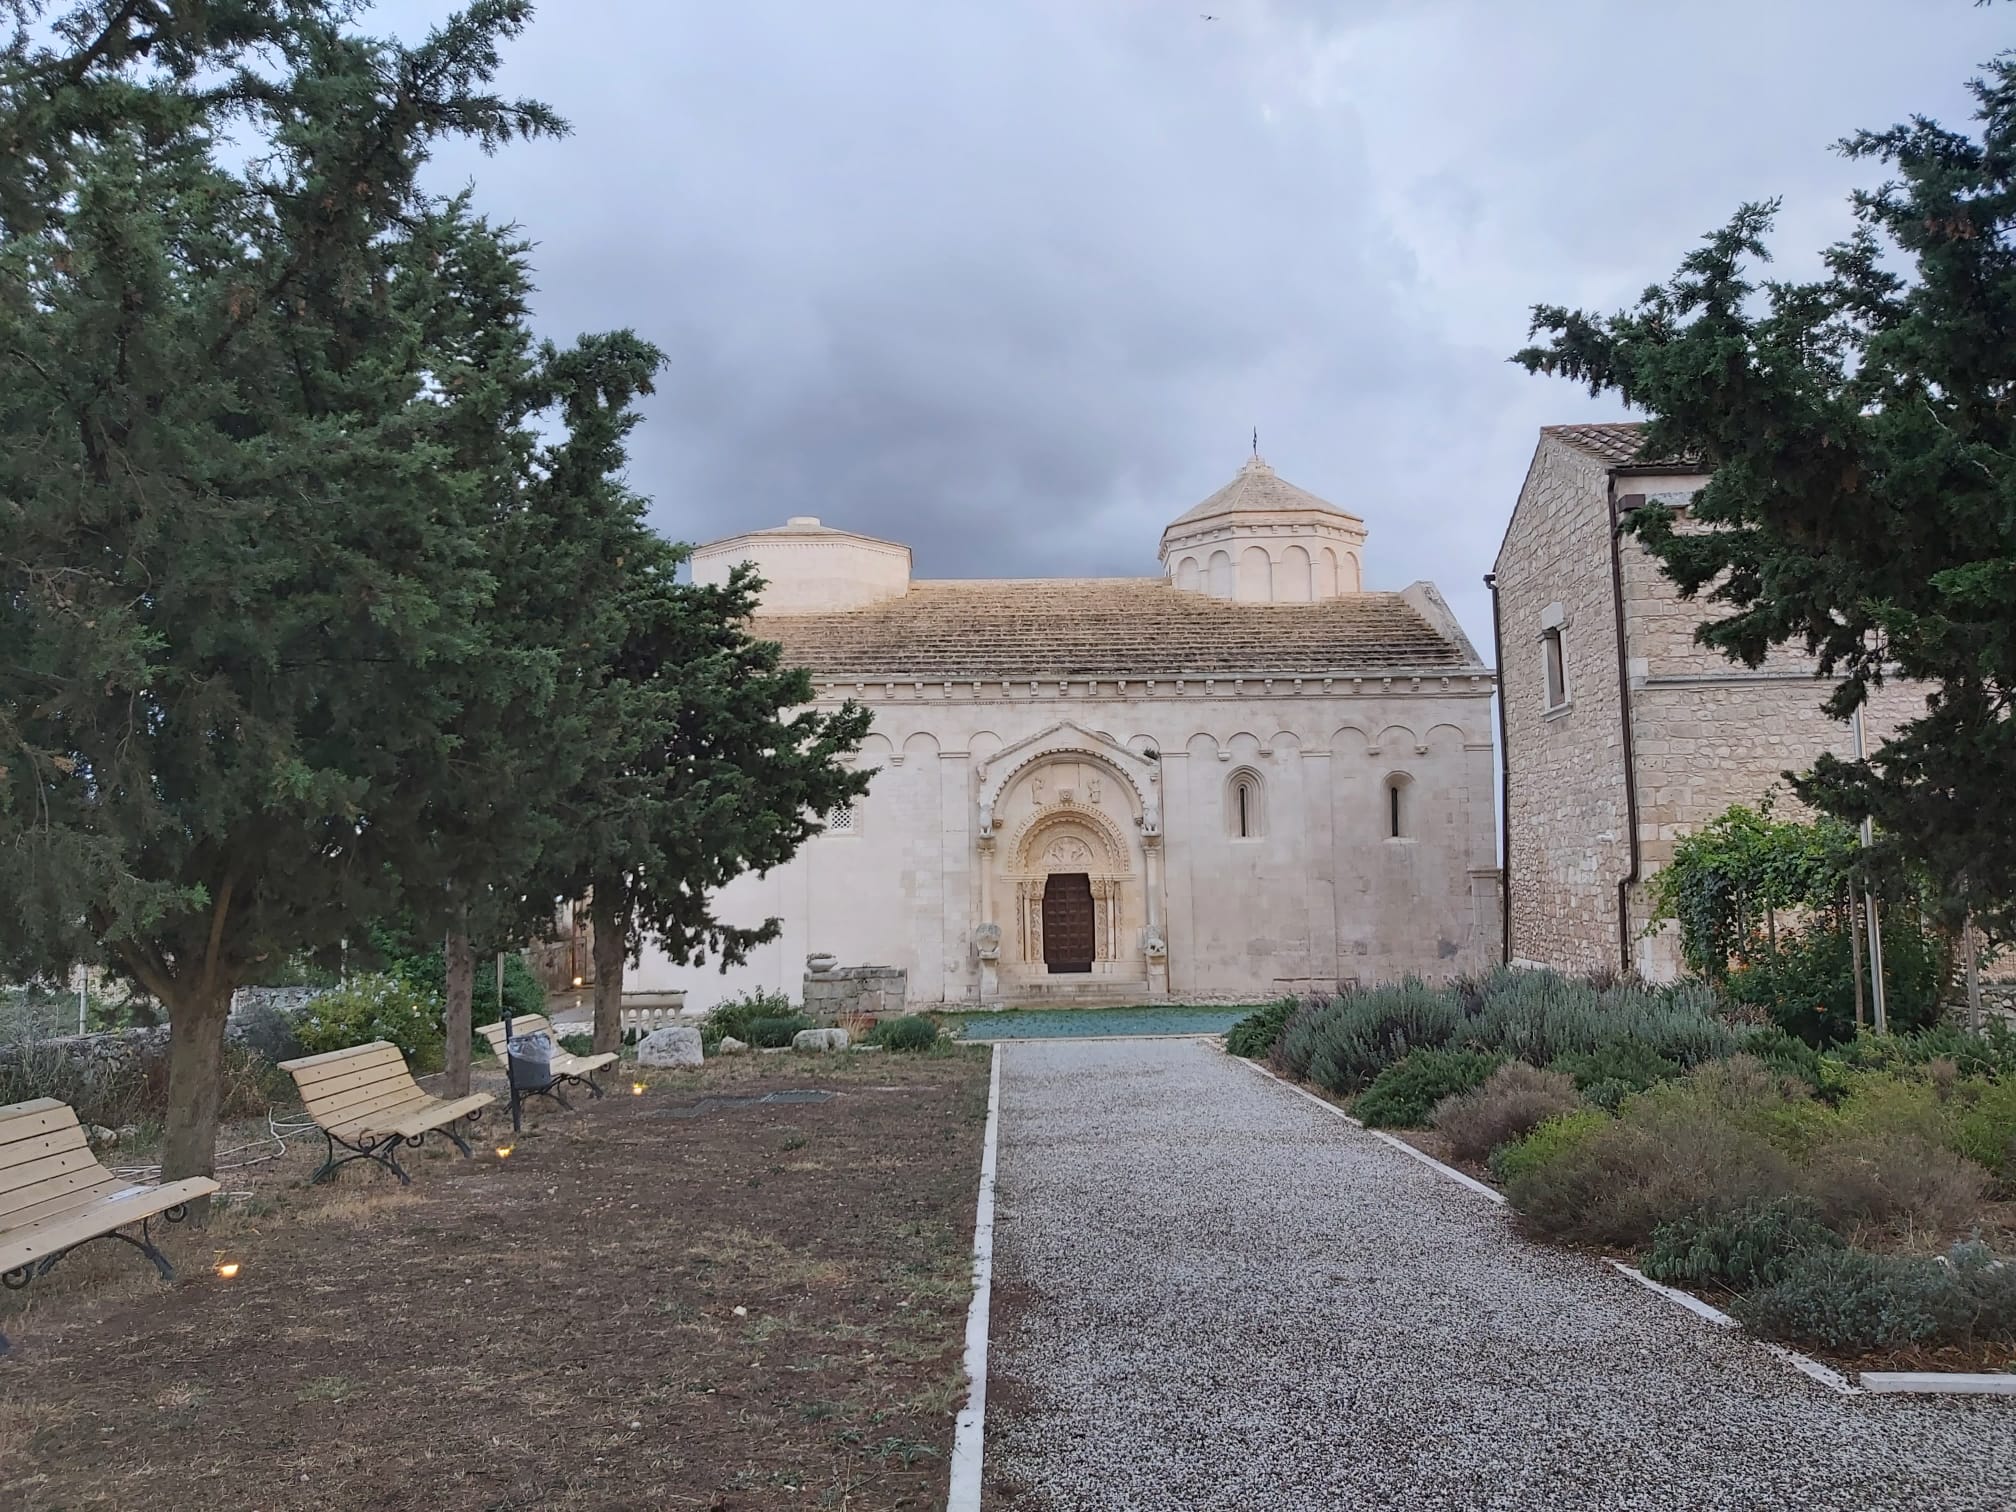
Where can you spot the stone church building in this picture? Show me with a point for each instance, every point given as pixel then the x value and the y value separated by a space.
pixel 1246 776
pixel 1621 734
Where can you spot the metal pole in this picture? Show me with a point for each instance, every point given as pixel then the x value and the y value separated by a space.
pixel 1855 955
pixel 1970 941
pixel 82 979
pixel 500 979
pixel 1875 923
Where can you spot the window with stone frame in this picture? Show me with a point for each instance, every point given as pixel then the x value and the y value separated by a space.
pixel 842 820
pixel 1245 816
pixel 1554 661
pixel 1398 804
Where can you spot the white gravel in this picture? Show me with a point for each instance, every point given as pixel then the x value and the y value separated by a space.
pixel 1220 1296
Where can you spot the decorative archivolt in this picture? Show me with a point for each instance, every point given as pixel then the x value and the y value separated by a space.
pixel 1078 826
pixel 1139 776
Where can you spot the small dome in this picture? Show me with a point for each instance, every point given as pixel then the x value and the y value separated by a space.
pixel 1258 488
pixel 1260 539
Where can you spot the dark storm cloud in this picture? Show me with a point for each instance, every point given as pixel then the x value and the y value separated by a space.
pixel 1011 281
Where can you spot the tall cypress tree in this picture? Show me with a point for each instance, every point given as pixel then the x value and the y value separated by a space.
pixel 1861 433
pixel 702 759
pixel 238 558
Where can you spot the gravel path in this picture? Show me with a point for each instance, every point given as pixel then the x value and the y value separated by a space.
pixel 1211 1293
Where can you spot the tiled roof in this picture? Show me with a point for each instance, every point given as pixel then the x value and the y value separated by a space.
pixel 1108 627
pixel 1617 443
pixel 1257 487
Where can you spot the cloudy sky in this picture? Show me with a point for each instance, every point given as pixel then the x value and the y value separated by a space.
pixel 1013 280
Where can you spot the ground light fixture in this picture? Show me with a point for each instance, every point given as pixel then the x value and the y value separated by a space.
pixel 636 1089
pixel 504 1151
pixel 227 1269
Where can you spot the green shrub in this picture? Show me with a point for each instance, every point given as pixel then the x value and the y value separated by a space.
pixel 1405 1093
pixel 1684 1147
pixel 1513 1101
pixel 1254 1035
pixel 578 1044
pixel 912 1032
pixel 1807 985
pixel 1895 1180
pixel 1342 1043
pixel 1610 1073
pixel 1788 1055
pixel 370 1008
pixel 1541 1016
pixel 1753 1245
pixel 1856 1301
pixel 732 1019
pixel 774 1033
pixel 1984 1129
pixel 1547 1143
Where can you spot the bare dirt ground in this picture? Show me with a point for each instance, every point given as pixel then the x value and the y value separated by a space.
pixel 757 1305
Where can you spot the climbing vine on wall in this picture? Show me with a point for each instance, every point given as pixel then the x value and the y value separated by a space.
pixel 1730 879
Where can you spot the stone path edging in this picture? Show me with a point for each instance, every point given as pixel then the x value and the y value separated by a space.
pixel 1384 1138
pixel 969 1436
pixel 1824 1375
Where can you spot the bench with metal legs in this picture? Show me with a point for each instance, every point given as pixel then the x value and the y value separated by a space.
pixel 56 1196
pixel 366 1101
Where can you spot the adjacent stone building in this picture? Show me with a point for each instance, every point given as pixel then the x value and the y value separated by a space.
pixel 1621 733
pixel 1245 777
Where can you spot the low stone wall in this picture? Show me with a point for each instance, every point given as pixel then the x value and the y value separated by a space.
pixel 836 991
pixel 113 1045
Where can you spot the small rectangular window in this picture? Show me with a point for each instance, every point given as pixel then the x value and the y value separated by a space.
pixel 1557 669
pixel 1393 800
pixel 840 820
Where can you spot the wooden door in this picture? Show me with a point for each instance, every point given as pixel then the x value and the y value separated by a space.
pixel 1067 922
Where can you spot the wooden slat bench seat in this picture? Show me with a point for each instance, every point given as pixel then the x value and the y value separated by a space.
pixel 55 1195
pixel 365 1100
pixel 578 1069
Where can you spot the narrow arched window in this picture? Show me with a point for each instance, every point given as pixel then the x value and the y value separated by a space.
pixel 1397 816
pixel 1557 667
pixel 1244 819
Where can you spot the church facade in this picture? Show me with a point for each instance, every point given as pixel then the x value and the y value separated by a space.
pixel 1245 777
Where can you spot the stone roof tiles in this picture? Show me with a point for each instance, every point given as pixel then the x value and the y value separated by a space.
pixel 1618 443
pixel 1109 628
pixel 1257 487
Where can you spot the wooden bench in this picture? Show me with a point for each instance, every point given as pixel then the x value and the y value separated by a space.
pixel 55 1195
pixel 365 1100
pixel 578 1069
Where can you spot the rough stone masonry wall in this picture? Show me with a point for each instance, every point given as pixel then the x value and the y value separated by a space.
pixel 1564 768
pixel 1711 733
pixel 847 990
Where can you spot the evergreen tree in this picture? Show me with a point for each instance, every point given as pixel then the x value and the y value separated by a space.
pixel 702 760
pixel 1861 433
pixel 239 559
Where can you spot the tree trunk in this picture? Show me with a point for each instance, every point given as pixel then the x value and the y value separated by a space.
pixel 195 1076
pixel 456 1018
pixel 611 941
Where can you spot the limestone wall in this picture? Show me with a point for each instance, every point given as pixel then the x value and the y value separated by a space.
pixel 1323 892
pixel 1565 800
pixel 1706 732
pixel 840 991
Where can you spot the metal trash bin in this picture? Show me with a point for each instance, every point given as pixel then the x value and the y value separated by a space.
pixel 530 1059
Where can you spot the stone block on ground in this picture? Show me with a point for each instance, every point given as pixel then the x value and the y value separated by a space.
pixel 819 1039
pixel 730 1045
pixel 675 1046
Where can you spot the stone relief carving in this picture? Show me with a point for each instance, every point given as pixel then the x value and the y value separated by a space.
pixel 1093 789
pixel 987 941
pixel 1153 945
pixel 1069 851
